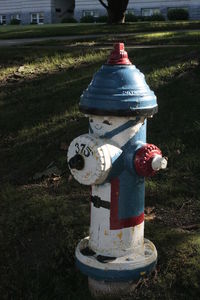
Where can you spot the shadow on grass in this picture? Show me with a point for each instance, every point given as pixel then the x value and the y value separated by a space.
pixel 44 113
pixel 10 32
pixel 63 88
pixel 164 38
pixel 42 223
pixel 48 107
pixel 37 244
pixel 38 100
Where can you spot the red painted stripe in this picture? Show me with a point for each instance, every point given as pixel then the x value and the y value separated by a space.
pixel 114 203
pixel 115 222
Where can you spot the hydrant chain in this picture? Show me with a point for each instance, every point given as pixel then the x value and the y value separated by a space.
pixel 98 202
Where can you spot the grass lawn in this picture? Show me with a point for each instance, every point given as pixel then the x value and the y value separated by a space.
pixel 170 38
pixel 162 38
pixel 44 212
pixel 29 31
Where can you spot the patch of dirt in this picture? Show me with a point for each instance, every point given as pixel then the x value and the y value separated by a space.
pixel 187 217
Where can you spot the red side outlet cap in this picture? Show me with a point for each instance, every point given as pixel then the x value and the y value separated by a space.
pixel 143 160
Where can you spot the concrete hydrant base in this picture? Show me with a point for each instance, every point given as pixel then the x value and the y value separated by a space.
pixel 116 275
pixel 112 290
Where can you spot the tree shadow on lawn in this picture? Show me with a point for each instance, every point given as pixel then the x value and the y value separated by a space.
pixel 21 55
pixel 40 98
pixel 148 60
pixel 35 31
pixel 44 113
pixel 35 54
pixel 49 115
pixel 48 95
pixel 164 38
pixel 37 101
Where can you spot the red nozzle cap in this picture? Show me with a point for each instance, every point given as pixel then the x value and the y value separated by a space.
pixel 119 56
pixel 143 159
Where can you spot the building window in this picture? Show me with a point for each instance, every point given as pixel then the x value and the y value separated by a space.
pixel 37 18
pixel 92 13
pixel 58 10
pixel 15 17
pixel 147 12
pixel 170 8
pixel 41 18
pixel 2 19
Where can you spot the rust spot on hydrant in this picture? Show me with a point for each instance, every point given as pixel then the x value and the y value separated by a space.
pixel 142 273
pixel 119 235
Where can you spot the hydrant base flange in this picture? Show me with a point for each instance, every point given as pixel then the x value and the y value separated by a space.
pixel 116 269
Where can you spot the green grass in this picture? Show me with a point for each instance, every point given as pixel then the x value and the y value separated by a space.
pixel 43 217
pixel 29 31
pixel 171 38
pixel 165 38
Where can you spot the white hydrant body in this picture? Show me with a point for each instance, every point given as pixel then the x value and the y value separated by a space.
pixel 114 159
pixel 106 236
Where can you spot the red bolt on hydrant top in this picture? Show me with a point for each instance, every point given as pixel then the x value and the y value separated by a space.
pixel 114 159
pixel 119 56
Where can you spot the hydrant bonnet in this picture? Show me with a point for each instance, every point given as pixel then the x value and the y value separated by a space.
pixel 118 89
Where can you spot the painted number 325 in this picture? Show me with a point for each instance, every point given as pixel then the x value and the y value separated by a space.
pixel 83 149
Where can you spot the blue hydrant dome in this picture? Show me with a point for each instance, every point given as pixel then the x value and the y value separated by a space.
pixel 118 89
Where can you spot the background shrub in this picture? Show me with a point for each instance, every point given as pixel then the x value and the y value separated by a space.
pixel 69 20
pixel 131 18
pixel 15 22
pixel 87 19
pixel 157 17
pixel 102 19
pixel 177 14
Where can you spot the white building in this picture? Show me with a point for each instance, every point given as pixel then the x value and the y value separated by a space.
pixel 53 11
pixel 34 11
pixel 140 7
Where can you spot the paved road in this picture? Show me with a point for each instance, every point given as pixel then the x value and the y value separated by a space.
pixel 16 42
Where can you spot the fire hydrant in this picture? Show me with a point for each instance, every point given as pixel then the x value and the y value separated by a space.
pixel 114 159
